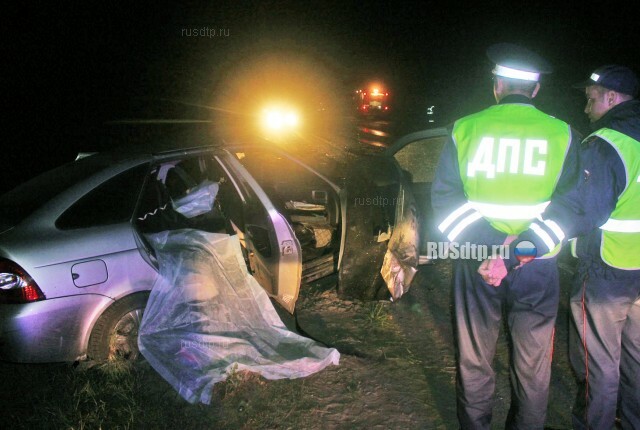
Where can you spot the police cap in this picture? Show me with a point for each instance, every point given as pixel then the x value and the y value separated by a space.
pixel 516 62
pixel 613 77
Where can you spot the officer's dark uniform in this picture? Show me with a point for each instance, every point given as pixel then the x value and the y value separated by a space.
pixel 605 301
pixel 497 172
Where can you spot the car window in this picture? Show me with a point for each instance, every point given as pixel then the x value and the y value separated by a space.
pixel 23 200
pixel 239 196
pixel 111 202
pixel 173 180
pixel 420 158
pixel 282 179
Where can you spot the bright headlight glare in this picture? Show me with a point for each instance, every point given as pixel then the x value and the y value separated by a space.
pixel 280 119
pixel 291 119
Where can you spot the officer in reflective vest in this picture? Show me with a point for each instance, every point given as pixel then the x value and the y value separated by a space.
pixel 605 227
pixel 620 246
pixel 497 173
pixel 605 301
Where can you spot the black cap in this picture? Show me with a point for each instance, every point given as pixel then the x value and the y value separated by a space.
pixel 613 77
pixel 517 62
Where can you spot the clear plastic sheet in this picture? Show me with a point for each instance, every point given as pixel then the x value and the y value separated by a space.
pixel 207 316
pixel 198 200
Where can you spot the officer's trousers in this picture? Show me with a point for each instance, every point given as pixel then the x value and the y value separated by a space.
pixel 605 351
pixel 528 299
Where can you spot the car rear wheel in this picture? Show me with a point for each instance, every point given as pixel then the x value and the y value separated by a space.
pixel 115 335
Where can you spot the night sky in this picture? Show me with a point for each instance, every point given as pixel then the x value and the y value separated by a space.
pixel 68 68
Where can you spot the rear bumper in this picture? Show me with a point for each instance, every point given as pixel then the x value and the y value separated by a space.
pixel 50 330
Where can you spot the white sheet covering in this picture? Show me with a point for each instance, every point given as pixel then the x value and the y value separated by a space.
pixel 198 200
pixel 206 313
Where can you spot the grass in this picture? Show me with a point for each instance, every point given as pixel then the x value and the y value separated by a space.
pixel 121 395
pixel 378 315
pixel 101 397
pixel 63 397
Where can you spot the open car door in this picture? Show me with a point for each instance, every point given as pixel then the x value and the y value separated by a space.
pixel 269 243
pixel 418 154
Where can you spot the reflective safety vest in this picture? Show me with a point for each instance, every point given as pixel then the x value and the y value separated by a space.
pixel 620 246
pixel 510 159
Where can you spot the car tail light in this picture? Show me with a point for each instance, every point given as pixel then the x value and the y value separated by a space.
pixel 16 286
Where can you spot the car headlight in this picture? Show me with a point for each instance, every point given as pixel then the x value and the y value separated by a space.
pixel 278 119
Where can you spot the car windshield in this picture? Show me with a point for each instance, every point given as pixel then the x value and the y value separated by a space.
pixel 20 202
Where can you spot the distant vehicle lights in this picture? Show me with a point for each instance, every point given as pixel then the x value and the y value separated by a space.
pixel 373 100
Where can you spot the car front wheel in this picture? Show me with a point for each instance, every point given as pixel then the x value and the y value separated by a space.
pixel 115 335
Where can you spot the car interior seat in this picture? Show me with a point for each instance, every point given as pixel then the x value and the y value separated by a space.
pixel 178 182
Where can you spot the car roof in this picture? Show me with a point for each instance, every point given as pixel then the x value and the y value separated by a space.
pixel 164 138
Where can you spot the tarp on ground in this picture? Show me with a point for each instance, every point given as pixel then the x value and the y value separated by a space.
pixel 207 316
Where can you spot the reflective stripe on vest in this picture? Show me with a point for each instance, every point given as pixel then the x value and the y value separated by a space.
pixel 460 219
pixel 512 212
pixel 622 225
pixel 510 159
pixel 620 245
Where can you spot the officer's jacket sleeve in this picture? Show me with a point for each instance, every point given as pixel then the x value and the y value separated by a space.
pixel 454 217
pixel 584 198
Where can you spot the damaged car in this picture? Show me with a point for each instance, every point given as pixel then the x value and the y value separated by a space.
pixel 76 267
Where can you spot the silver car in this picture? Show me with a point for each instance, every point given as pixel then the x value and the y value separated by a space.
pixel 76 269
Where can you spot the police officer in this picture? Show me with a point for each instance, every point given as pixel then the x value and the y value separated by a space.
pixel 497 172
pixel 605 301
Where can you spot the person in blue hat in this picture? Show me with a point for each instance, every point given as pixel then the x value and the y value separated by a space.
pixel 605 300
pixel 498 171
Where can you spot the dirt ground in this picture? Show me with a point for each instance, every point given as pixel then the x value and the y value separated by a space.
pixel 397 368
